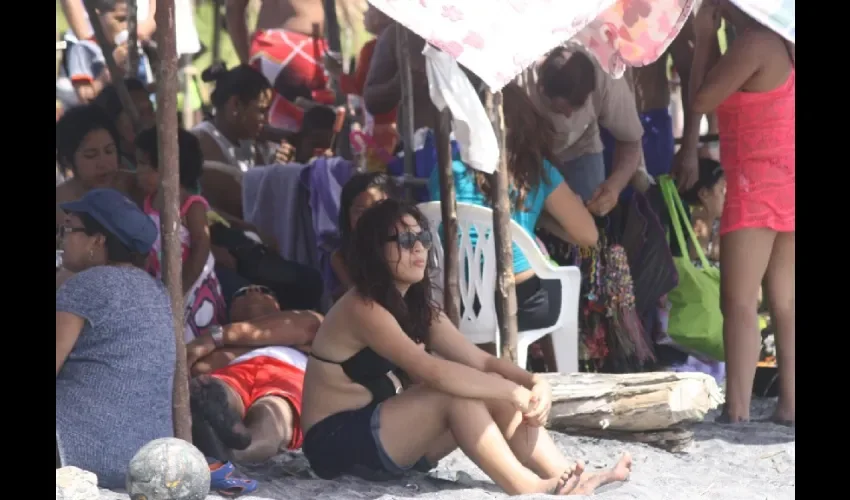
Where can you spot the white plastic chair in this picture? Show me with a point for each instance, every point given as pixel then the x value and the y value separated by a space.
pixel 477 277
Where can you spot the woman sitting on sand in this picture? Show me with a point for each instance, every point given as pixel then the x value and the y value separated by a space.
pixel 114 339
pixel 361 416
pixel 87 144
pixel 752 87
pixel 359 193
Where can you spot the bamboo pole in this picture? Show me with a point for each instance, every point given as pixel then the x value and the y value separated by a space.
pixel 506 305
pixel 133 37
pixel 448 208
pixel 107 47
pixel 406 125
pixel 216 32
pixel 166 132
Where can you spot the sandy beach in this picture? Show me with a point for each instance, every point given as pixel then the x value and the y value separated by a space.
pixel 743 462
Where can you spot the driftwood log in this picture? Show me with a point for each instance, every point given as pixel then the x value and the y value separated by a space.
pixel 655 408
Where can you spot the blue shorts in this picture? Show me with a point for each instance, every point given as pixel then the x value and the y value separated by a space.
pixel 349 443
pixel 584 174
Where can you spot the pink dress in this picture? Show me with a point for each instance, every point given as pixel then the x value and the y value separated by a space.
pixel 204 303
pixel 758 154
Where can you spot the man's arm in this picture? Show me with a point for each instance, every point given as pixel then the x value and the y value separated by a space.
pixel 237 26
pixel 619 115
pixel 286 328
pixel 75 13
pixel 146 28
pixel 382 90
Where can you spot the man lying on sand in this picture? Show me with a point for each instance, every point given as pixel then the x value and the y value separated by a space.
pixel 246 397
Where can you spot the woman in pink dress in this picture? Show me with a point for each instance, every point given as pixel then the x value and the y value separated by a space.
pixel 752 90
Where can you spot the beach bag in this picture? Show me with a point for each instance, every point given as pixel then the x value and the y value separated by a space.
pixel 696 321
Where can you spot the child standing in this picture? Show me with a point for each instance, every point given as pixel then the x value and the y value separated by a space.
pixel 205 306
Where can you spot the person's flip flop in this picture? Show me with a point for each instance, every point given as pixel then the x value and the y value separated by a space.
pixel 223 482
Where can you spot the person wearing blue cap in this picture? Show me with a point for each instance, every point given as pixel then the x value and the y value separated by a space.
pixel 115 348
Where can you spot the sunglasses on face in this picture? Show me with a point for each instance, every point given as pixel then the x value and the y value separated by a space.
pixel 407 240
pixel 66 230
pixel 256 289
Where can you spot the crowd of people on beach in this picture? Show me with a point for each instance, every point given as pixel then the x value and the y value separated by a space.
pixel 337 345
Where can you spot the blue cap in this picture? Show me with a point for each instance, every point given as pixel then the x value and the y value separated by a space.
pixel 119 216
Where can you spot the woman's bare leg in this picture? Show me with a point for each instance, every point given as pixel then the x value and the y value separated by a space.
pixel 781 296
pixel 270 421
pixel 744 255
pixel 472 426
pixel 534 447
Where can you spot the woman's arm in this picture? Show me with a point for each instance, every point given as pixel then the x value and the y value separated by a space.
pixel 382 333
pixel 740 62
pixel 449 343
pixel 68 328
pixel 146 28
pixel 199 249
pixel 571 214
pixel 340 269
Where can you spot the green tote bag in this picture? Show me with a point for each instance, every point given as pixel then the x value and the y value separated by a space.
pixel 695 321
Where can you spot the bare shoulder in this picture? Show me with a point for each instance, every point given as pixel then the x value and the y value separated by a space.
pixel 758 40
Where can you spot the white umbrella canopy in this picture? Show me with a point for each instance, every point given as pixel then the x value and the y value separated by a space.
pixel 498 39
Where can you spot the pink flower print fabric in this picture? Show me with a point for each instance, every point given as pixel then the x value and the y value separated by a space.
pixel 498 39
pixel 634 32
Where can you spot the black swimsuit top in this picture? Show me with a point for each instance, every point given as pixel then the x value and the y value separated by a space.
pixel 370 370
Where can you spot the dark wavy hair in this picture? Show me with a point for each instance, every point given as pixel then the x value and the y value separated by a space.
pixel 357 184
pixel 372 274
pixel 529 139
pixel 242 81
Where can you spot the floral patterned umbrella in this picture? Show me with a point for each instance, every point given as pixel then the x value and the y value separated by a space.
pixel 497 39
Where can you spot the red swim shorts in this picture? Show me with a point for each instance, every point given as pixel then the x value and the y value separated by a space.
pixel 262 376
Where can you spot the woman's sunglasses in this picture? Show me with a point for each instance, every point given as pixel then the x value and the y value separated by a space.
pixel 65 231
pixel 407 239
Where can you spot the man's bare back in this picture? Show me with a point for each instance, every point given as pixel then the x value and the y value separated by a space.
pixel 299 16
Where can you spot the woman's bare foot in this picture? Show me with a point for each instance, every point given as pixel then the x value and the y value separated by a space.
pixel 783 416
pixel 620 472
pixel 568 481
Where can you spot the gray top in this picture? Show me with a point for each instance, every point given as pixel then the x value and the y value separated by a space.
pixel 85 60
pixel 113 394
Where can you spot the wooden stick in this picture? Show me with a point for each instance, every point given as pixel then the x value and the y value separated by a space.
pixel 133 37
pixel 448 208
pixel 166 132
pixel 216 34
pixel 107 47
pixel 406 124
pixel 506 305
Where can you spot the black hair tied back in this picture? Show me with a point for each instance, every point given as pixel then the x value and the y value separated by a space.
pixel 214 72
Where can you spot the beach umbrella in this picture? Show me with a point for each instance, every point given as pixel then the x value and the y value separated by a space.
pixel 498 39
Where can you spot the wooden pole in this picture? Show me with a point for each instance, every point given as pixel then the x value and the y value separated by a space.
pixel 216 40
pixel 107 46
pixel 166 134
pixel 505 284
pixel 133 38
pixel 406 124
pixel 448 208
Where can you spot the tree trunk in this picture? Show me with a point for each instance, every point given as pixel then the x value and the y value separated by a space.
pixel 630 402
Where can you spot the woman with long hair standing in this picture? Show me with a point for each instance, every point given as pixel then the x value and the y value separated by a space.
pixel 752 87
